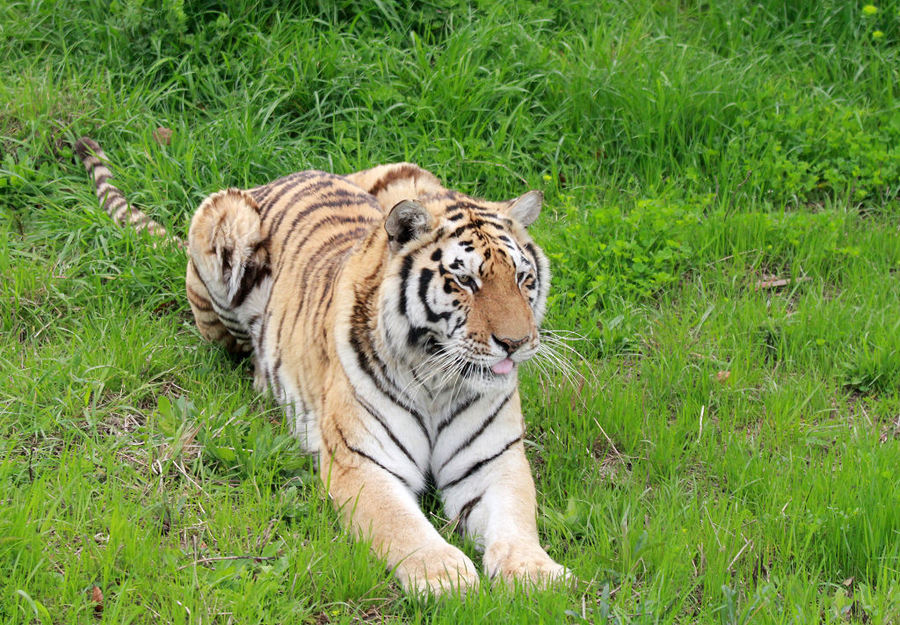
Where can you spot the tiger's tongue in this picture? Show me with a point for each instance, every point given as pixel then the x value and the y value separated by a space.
pixel 503 367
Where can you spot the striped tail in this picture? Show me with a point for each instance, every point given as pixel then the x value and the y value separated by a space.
pixel 110 197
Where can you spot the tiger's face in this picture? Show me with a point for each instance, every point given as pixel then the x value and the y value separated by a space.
pixel 470 288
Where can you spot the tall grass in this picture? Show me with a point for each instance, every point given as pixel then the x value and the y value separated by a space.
pixel 723 450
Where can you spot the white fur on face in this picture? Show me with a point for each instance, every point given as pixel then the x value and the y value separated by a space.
pixel 434 290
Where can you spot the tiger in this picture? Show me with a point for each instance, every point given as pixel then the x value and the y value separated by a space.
pixel 389 316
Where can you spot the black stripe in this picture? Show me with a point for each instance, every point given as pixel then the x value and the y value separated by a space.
pixel 363 454
pixel 327 249
pixel 443 194
pixel 274 184
pixel 106 189
pixel 463 204
pixel 278 338
pixel 350 197
pixel 194 299
pixel 371 410
pixel 466 509
pixel 468 442
pixel 474 225
pixel 260 194
pixel 458 411
pixel 85 147
pixel 273 374
pixel 218 306
pixel 264 326
pixel 233 327
pixel 282 186
pixel 253 275
pixel 225 314
pixel 303 407
pixel 361 342
pixel 405 269
pixel 424 278
pixel 396 398
pixel 285 210
pixel 378 381
pixel 326 202
pixel 539 269
pixel 241 336
pixel 481 463
pixel 405 171
pixel 324 303
pixel 335 220
pixel 237 336
pixel 202 281
pixel 113 201
pixel 415 334
pixel 334 198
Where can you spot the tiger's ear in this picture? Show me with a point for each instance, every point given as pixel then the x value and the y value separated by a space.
pixel 408 220
pixel 526 208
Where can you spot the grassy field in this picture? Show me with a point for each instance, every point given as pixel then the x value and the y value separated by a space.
pixel 721 212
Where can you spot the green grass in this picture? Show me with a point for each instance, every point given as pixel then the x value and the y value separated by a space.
pixel 726 452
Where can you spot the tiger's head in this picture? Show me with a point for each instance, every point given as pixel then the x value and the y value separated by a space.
pixel 468 286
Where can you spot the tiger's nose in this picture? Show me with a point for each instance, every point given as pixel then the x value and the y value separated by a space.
pixel 510 344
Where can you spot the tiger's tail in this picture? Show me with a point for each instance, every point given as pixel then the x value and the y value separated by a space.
pixel 111 199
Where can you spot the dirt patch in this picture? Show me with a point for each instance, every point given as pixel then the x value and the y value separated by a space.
pixel 611 462
pixel 891 431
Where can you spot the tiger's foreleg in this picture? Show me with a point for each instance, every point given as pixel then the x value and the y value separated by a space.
pixel 497 507
pixel 226 263
pixel 379 507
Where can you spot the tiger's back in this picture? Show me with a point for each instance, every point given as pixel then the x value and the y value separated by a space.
pixel 308 241
pixel 291 238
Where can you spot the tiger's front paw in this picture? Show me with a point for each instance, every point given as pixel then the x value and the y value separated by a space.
pixel 438 571
pixel 509 562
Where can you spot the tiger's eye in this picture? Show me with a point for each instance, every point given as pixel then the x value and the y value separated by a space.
pixel 467 281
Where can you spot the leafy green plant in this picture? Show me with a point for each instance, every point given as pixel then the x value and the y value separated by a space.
pixel 19 170
pixel 811 152
pixel 872 368
pixel 611 257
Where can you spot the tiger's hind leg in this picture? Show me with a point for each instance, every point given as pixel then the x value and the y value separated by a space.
pixel 208 321
pixel 228 271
